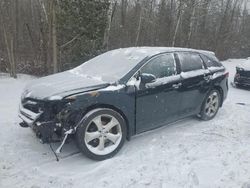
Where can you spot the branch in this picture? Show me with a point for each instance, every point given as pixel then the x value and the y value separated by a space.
pixel 72 40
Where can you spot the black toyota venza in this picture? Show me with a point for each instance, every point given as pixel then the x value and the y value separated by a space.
pixel 122 93
pixel 242 76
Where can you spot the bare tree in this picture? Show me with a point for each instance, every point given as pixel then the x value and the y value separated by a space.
pixel 179 15
pixel 54 37
pixel 9 32
pixel 112 8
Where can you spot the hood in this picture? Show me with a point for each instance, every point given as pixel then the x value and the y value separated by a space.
pixel 61 85
pixel 245 65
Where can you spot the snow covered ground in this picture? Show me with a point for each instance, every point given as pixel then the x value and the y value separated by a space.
pixel 190 153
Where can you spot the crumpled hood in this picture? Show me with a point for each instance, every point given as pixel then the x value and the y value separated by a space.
pixel 62 84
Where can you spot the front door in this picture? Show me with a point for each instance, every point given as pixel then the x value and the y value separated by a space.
pixel 158 103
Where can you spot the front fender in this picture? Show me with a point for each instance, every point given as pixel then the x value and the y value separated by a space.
pixel 115 97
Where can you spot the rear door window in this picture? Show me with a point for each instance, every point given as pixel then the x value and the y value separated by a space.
pixel 190 61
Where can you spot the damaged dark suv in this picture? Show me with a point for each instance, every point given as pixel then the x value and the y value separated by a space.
pixel 122 93
pixel 242 76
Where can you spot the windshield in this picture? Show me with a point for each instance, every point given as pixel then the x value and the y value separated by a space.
pixel 111 66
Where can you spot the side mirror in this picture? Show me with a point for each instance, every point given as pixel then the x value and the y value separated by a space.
pixel 147 78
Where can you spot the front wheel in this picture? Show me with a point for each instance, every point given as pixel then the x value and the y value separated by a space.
pixel 211 105
pixel 102 134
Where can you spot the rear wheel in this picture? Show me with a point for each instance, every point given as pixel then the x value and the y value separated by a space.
pixel 211 105
pixel 102 134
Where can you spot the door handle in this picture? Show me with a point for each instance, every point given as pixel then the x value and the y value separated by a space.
pixel 177 86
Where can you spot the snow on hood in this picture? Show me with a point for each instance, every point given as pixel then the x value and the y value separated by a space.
pixel 245 65
pixel 62 84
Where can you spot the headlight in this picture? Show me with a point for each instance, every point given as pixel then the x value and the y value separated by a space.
pixel 72 97
pixel 55 98
pixel 25 94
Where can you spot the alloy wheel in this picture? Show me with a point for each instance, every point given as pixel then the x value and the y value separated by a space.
pixel 103 134
pixel 212 104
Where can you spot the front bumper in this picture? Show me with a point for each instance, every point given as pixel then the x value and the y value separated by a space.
pixel 244 81
pixel 28 116
pixel 44 130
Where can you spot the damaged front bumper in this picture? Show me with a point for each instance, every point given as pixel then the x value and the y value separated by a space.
pixel 52 121
pixel 242 77
pixel 46 130
pixel 29 118
pixel 244 81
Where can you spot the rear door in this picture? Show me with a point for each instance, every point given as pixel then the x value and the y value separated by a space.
pixel 195 82
pixel 158 102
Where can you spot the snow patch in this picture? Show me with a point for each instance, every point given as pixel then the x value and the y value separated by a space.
pixel 191 74
pixel 213 69
pixel 134 82
pixel 113 87
pixel 54 98
pixel 77 71
pixel 162 81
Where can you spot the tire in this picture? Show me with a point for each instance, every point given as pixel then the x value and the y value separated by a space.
pixel 101 134
pixel 211 105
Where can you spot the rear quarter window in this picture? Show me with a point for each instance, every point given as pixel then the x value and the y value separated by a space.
pixel 211 62
pixel 190 61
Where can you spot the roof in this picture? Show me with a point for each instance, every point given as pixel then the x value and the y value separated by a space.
pixel 151 51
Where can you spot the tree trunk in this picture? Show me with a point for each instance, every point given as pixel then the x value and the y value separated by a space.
pixel 8 51
pixel 191 23
pixel 111 12
pixel 139 28
pixel 123 19
pixel 54 38
pixel 177 24
pixel 8 38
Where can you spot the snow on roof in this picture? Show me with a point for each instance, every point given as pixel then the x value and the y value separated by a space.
pixel 150 51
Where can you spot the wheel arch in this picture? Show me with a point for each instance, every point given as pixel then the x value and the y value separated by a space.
pixel 221 93
pixel 100 105
pixel 216 87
